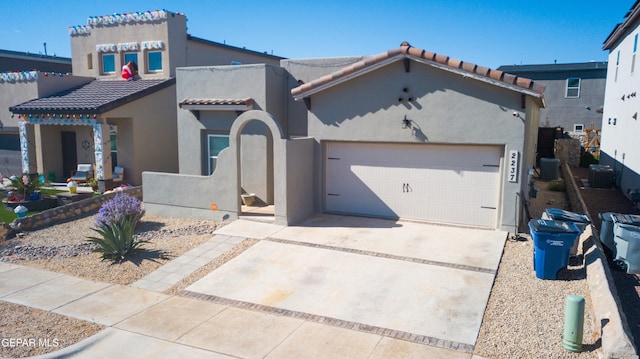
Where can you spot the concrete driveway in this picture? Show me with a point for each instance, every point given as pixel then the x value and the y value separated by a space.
pixel 413 281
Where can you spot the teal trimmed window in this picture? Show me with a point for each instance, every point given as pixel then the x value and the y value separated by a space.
pixel 154 61
pixel 108 63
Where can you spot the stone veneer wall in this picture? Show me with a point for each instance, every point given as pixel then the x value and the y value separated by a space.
pixel 569 151
pixel 69 211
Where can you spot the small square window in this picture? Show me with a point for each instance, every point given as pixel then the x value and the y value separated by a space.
pixel 578 127
pixel 154 61
pixel 108 64
pixel 573 87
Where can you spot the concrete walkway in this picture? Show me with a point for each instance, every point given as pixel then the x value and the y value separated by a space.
pixel 277 322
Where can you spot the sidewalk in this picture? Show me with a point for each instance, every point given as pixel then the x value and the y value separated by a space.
pixel 143 323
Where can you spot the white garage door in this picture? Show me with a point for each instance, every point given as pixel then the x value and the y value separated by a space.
pixel 440 183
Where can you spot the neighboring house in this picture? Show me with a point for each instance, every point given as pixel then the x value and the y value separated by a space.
pixel 110 121
pixel 16 66
pixel 403 134
pixel 574 93
pixel 620 122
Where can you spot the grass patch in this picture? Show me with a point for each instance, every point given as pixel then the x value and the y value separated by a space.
pixel 7 216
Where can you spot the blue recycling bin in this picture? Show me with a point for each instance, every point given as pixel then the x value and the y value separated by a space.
pixel 552 242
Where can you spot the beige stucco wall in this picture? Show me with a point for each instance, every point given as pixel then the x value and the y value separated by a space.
pixel 171 31
pixel 48 149
pixel 146 134
pixel 205 53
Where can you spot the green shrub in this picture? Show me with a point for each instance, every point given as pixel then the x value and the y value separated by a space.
pixel 118 241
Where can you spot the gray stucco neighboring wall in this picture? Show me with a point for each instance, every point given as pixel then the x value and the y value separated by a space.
pixel 444 108
pixel 223 186
pixel 263 83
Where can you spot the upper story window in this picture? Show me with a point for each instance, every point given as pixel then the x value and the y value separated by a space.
pixel 108 64
pixel 573 87
pixel 154 61
pixel 578 127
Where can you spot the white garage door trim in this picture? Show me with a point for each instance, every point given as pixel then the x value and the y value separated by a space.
pixel 455 184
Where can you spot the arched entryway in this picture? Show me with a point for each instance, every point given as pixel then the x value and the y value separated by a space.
pixel 259 143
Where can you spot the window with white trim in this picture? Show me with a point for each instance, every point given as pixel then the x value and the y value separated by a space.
pixel 573 87
pixel 578 127
pixel 108 64
pixel 215 144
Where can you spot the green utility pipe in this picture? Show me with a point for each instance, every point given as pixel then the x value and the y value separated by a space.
pixel 573 323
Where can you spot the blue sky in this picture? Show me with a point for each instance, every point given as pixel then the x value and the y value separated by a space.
pixel 490 32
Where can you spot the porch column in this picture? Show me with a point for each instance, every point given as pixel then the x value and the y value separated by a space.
pixel 24 146
pixel 102 151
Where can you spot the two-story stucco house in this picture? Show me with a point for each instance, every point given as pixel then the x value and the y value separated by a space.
pixel 110 121
pixel 403 134
pixel 574 93
pixel 620 122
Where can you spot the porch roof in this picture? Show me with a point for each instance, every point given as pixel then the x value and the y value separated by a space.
pixel 96 97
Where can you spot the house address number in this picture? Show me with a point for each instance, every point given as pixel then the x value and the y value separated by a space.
pixel 512 173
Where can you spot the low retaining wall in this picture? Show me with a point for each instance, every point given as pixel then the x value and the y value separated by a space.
pixel 614 329
pixel 69 211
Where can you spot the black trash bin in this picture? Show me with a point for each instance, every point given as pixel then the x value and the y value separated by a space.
pixel 552 241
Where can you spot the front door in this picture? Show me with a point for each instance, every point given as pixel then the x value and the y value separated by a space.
pixel 69 153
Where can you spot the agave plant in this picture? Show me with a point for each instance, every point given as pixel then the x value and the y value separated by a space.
pixel 117 241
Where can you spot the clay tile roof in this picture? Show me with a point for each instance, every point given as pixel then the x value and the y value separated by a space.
pixel 213 104
pixel 96 97
pixel 407 51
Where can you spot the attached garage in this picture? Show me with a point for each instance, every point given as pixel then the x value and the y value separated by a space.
pixel 456 184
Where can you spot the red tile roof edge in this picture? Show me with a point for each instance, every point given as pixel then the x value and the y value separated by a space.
pixel 407 50
pixel 206 101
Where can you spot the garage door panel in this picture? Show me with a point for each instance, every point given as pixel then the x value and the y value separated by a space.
pixel 451 184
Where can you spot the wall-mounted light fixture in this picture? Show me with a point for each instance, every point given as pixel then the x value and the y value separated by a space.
pixel 406 123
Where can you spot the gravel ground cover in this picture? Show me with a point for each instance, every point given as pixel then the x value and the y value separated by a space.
pixel 525 315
